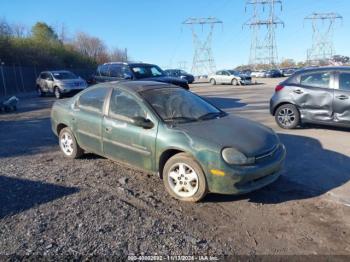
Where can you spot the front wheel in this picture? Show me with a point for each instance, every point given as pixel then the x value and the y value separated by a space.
pixel 58 93
pixel 234 82
pixel 69 145
pixel 41 93
pixel 184 179
pixel 287 116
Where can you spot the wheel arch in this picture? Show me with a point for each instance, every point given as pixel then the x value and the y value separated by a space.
pixel 59 127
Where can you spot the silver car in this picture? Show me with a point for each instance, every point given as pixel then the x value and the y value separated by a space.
pixel 230 77
pixel 60 83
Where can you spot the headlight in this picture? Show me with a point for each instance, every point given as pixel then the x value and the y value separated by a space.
pixel 234 157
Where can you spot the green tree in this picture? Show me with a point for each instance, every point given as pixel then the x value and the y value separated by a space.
pixel 43 32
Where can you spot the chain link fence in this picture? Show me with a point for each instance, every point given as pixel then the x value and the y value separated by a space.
pixel 15 80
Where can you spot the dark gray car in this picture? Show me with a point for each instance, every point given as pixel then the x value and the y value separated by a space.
pixel 318 95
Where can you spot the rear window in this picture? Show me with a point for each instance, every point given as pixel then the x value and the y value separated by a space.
pixel 93 100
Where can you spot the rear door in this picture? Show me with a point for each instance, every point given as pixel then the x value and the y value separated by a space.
pixel 87 118
pixel 226 77
pixel 122 139
pixel 341 103
pixel 314 96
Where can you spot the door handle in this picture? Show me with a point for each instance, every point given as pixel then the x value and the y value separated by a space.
pixel 298 91
pixel 108 129
pixel 342 97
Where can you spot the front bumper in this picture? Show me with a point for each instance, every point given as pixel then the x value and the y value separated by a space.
pixel 245 179
pixel 246 82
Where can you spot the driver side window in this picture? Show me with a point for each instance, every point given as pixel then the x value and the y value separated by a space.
pixel 125 107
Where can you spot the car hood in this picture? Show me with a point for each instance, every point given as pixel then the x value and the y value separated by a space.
pixel 248 137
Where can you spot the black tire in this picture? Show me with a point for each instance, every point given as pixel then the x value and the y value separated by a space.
pixel 202 188
pixel 41 93
pixel 57 93
pixel 213 82
pixel 234 82
pixel 287 116
pixel 77 151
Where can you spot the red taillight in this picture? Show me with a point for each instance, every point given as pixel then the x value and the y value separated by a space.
pixel 279 88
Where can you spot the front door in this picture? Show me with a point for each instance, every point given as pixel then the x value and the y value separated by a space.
pixel 341 103
pixel 314 96
pixel 122 139
pixel 87 119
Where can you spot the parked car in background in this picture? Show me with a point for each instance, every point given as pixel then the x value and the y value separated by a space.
pixel 180 74
pixel 61 83
pixel 230 77
pixel 135 71
pixel 288 71
pixel 320 95
pixel 273 73
pixel 194 147
pixel 258 74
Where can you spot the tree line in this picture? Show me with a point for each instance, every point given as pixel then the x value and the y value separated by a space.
pixel 42 46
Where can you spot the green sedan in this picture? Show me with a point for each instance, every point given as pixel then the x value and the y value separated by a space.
pixel 192 145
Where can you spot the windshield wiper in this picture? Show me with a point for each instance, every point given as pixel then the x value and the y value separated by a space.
pixel 180 118
pixel 211 115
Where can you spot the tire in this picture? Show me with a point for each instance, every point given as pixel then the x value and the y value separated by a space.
pixel 287 116
pixel 213 82
pixel 57 93
pixel 68 142
pixel 41 93
pixel 234 82
pixel 193 182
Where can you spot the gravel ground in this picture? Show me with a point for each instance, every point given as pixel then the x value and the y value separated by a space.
pixel 94 206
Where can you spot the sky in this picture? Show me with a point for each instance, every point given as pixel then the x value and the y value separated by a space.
pixel 152 30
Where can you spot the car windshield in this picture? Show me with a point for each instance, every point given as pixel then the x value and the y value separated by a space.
pixel 145 71
pixel 179 105
pixel 64 75
pixel 233 72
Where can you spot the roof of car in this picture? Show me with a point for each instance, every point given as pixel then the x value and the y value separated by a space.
pixel 323 68
pixel 139 86
pixel 130 64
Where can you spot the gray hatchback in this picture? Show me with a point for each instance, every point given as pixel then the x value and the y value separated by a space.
pixel 318 95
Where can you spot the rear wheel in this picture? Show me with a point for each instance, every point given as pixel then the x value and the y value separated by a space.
pixel 184 179
pixel 287 116
pixel 213 82
pixel 69 145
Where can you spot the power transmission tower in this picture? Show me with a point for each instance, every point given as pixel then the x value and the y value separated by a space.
pixel 322 38
pixel 203 60
pixel 263 49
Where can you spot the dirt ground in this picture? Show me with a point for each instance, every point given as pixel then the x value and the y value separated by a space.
pixel 92 206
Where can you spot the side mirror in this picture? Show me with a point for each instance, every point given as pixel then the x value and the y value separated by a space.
pixel 143 122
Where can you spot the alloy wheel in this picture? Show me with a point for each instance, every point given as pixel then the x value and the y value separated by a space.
pixel 183 180
pixel 67 144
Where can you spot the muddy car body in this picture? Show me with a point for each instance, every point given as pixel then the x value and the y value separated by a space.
pixel 316 95
pixel 172 132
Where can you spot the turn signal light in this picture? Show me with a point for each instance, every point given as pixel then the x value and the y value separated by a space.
pixel 279 88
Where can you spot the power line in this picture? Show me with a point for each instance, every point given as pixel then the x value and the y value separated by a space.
pixel 203 59
pixel 263 49
pixel 322 37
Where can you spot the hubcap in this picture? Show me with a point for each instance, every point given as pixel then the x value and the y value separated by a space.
pixel 57 93
pixel 183 180
pixel 286 117
pixel 66 144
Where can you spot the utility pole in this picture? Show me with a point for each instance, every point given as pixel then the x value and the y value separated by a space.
pixel 203 59
pixel 263 48
pixel 322 38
